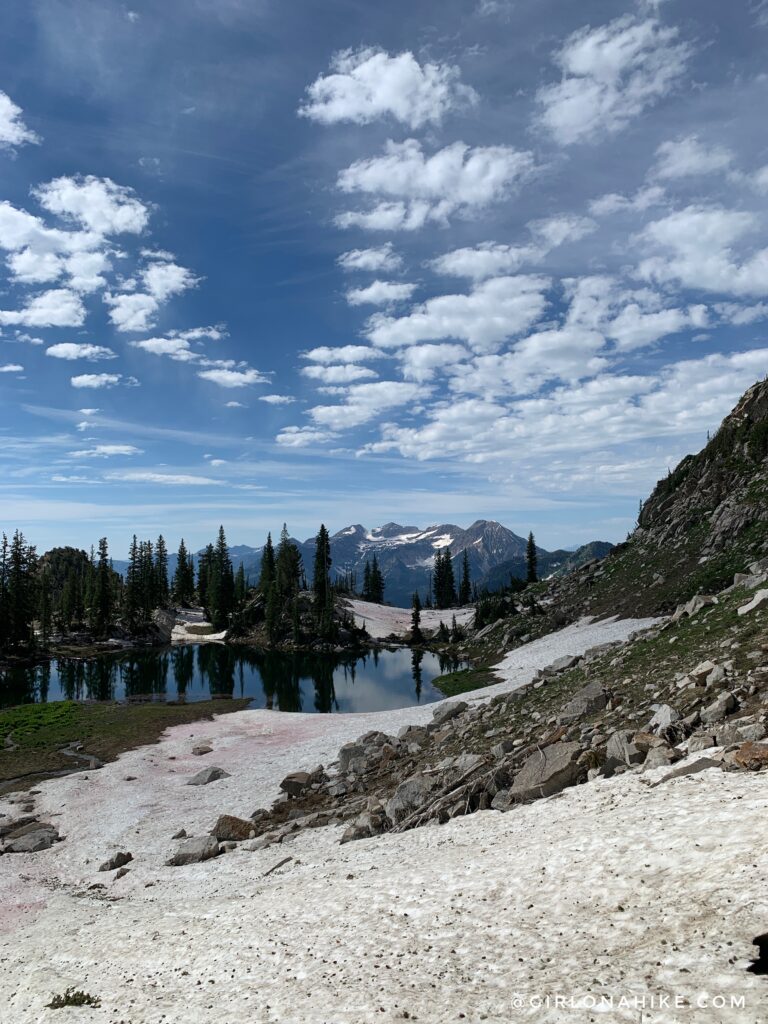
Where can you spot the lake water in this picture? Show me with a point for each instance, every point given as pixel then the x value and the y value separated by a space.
pixel 377 681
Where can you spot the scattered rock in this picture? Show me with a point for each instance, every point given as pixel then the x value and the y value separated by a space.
pixel 760 599
pixel 116 861
pixel 587 701
pixel 621 751
pixel 664 717
pixel 409 796
pixel 446 711
pixel 295 783
pixel 33 842
pixel 724 705
pixel 547 771
pixel 181 834
pixel 208 775
pixel 202 748
pixel 228 827
pixel 702 765
pixel 701 742
pixel 121 873
pixel 693 607
pixel 751 756
pixel 193 851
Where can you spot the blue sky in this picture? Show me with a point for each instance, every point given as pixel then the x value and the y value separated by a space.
pixel 349 262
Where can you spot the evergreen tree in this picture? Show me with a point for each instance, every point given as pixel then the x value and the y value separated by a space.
pixel 104 603
pixel 45 608
pixel 288 568
pixel 161 573
pixel 531 560
pixel 366 595
pixel 377 582
pixel 465 588
pixel 321 580
pixel 267 574
pixel 183 586
pixel 443 580
pixel 220 594
pixel 204 570
pixel 241 587
pixel 416 634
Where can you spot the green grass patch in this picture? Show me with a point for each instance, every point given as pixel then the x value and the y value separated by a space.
pixel 38 732
pixel 464 681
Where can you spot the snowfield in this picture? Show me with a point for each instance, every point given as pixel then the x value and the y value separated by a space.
pixel 614 889
pixel 381 620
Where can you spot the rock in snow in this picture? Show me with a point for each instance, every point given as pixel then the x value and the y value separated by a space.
pixel 208 775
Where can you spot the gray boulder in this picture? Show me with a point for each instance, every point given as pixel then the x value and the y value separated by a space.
pixel 587 701
pixel 118 860
pixel 229 828
pixel 621 751
pixel 349 752
pixel 410 795
pixel 664 716
pixel 547 771
pixel 208 775
pixel 33 842
pixel 723 705
pixel 563 664
pixel 660 757
pixel 193 851
pixel 701 742
pixel 445 712
pixel 760 599
pixel 296 783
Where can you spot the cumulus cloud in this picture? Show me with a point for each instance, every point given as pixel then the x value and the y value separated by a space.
pixel 13 131
pixel 492 312
pixel 682 158
pixel 101 380
pixel 696 247
pixel 342 354
pixel 424 362
pixel 610 75
pixel 58 307
pixel 380 293
pixel 131 311
pixel 274 399
pixel 105 451
pixel 382 257
pixel 412 188
pixel 301 437
pixel 177 349
pixel 338 374
pixel 365 402
pixel 165 279
pixel 71 350
pixel 233 378
pixel 97 204
pixel 11 368
pixel 367 84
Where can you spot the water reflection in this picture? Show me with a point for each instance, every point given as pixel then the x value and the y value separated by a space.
pixel 374 681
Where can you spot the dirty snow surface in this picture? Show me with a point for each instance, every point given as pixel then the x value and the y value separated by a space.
pixel 615 890
pixel 381 620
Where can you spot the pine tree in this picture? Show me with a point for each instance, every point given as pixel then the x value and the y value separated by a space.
pixel 321 580
pixel 377 582
pixel 161 573
pixel 104 603
pixel 416 634
pixel 45 609
pixel 465 588
pixel 267 574
pixel 241 587
pixel 531 560
pixel 204 569
pixel 183 587
pixel 366 595
pixel 288 568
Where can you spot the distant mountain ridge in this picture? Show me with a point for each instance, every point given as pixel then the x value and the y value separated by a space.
pixel 406 555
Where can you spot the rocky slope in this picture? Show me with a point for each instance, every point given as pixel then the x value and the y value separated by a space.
pixel 705 521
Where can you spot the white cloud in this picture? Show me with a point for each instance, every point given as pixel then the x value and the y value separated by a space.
pixel 738 315
pixel 492 312
pixel 233 378
pixel 697 251
pixel 30 267
pixel 342 354
pixel 105 451
pixel 56 308
pixel 413 188
pixel 491 259
pixel 98 204
pixel 614 202
pixel 276 399
pixel 633 328
pixel 96 380
pixel 88 412
pixel 162 280
pixel 380 293
pixel 301 437
pixel 383 257
pixel 132 311
pixel 338 374
pixel 423 362
pixel 13 131
pixel 168 479
pixel 11 368
pixel 686 157
pixel 611 74
pixel 364 402
pixel 369 84
pixel 86 271
pixel 175 348
pixel 759 180
pixel 72 350
pixel 234 405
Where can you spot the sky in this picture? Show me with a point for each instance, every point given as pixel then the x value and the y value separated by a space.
pixel 349 262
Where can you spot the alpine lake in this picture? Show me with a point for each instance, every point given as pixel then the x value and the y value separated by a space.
pixel 377 680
